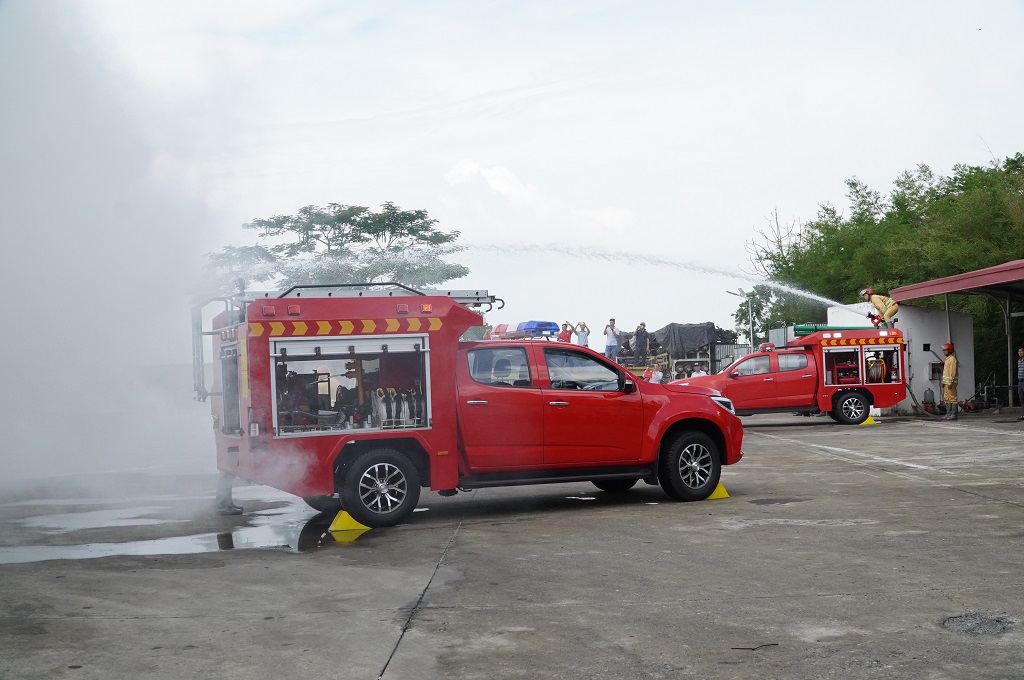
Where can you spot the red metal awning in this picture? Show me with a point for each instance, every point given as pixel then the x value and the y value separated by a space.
pixel 1004 280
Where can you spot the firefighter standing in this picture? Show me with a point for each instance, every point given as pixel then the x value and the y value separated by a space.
pixel 886 306
pixel 949 380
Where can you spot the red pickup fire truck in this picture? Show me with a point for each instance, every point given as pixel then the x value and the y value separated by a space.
pixel 355 399
pixel 839 371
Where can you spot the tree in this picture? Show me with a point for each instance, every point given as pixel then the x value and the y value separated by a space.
pixel 341 244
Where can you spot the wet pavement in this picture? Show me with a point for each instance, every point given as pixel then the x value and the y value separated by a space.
pixel 873 551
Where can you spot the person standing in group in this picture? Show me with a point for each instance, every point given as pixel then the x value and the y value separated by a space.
pixel 949 381
pixel 886 306
pixel 656 375
pixel 566 333
pixel 582 334
pixel 641 344
pixel 611 340
pixel 698 370
pixel 1020 380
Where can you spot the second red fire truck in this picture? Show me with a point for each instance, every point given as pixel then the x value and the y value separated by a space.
pixel 840 371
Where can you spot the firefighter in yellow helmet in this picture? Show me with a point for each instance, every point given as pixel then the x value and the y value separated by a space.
pixel 949 380
pixel 886 306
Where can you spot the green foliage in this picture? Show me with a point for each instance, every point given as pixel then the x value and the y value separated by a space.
pixel 340 244
pixel 926 228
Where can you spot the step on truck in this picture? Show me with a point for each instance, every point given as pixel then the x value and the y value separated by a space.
pixel 843 372
pixel 356 398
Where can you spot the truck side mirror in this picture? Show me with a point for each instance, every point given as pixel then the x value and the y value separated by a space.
pixel 734 374
pixel 926 347
pixel 628 386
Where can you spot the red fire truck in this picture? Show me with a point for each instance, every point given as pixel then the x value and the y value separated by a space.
pixel 840 371
pixel 355 398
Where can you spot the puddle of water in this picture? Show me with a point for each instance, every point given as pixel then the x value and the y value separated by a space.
pixel 294 527
pixel 96 519
pixel 68 502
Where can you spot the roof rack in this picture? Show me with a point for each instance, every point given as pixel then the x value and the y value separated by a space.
pixel 469 298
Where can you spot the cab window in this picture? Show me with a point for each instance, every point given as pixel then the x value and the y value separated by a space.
pixel 792 362
pixel 570 370
pixel 753 366
pixel 500 366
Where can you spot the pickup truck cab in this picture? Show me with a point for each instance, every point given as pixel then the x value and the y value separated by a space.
pixel 840 371
pixel 357 401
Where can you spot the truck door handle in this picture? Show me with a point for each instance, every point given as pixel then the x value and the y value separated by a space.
pixel 558 403
pixel 477 403
pixel 769 379
pixel 807 375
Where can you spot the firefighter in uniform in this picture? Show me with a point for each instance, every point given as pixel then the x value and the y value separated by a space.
pixel 949 380
pixel 886 306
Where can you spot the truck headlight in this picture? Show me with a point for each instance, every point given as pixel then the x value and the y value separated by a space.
pixel 725 403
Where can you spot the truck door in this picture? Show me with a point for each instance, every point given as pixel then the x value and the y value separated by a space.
pixel 796 381
pixel 501 421
pixel 588 417
pixel 752 383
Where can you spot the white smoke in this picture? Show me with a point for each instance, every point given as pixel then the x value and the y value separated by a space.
pixel 97 259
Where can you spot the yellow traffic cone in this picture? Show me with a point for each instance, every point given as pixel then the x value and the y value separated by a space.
pixel 719 492
pixel 345 529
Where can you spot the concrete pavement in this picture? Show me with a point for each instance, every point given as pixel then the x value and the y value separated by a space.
pixel 872 551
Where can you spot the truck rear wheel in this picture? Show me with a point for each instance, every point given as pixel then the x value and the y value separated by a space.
pixel 851 408
pixel 381 488
pixel 690 468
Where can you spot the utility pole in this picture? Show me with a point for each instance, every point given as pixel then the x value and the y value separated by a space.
pixel 750 313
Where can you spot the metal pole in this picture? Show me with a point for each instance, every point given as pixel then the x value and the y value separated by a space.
pixel 750 318
pixel 750 313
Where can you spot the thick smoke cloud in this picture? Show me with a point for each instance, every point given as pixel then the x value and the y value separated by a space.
pixel 97 261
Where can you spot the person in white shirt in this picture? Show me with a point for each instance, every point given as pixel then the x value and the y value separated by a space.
pixel 698 370
pixel 582 334
pixel 656 375
pixel 611 340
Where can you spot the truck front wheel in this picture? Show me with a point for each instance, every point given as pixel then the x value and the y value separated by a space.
pixel 381 488
pixel 851 408
pixel 690 468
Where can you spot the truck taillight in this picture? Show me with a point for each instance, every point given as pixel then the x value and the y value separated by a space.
pixel 426 308
pixel 293 310
pixel 402 309
pixel 269 310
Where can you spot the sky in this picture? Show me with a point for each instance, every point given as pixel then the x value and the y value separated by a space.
pixel 598 158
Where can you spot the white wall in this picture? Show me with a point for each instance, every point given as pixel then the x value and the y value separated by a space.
pixel 922 326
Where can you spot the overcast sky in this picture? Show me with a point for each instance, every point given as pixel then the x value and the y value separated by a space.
pixel 577 146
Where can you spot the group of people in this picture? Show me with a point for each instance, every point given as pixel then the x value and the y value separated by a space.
pixel 641 340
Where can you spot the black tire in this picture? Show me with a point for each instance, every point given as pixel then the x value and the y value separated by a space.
pixel 326 504
pixel 833 416
pixel 690 467
pixel 851 408
pixel 615 485
pixel 381 488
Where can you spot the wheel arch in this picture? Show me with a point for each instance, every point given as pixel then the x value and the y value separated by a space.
pixel 839 394
pixel 410 447
pixel 692 425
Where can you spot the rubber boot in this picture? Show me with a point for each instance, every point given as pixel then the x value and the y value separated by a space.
pixel 225 501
